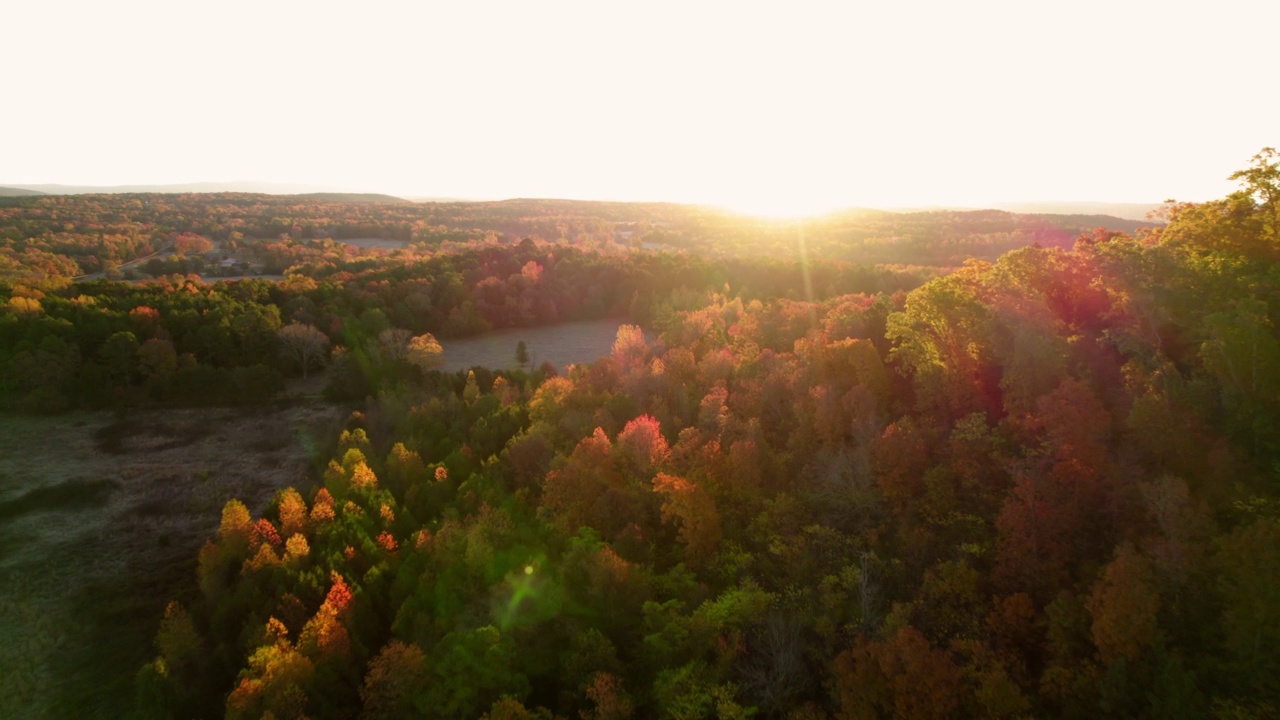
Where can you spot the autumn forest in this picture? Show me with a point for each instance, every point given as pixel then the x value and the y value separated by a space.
pixel 968 464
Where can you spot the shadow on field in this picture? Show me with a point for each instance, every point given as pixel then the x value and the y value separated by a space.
pixel 115 438
pixel 68 496
pixel 119 622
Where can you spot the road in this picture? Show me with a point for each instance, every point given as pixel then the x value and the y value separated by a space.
pixel 162 253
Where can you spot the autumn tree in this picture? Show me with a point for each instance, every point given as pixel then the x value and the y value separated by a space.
pixel 587 488
pixel 630 348
pixel 694 510
pixel 1124 605
pixel 901 678
pixel 192 244
pixel 642 447
pixel 235 532
pixel 275 680
pixel 396 674
pixel 609 698
pixel 24 306
pixel 425 352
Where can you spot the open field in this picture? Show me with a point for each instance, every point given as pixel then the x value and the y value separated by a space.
pixel 100 523
pixel 560 345
pixel 373 242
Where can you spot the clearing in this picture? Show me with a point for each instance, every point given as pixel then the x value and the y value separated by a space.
pixel 560 344
pixel 100 523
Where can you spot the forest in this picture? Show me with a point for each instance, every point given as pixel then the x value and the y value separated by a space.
pixel 970 465
pixel 48 236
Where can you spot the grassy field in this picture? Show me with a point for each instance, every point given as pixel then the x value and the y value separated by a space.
pixel 560 345
pixel 100 522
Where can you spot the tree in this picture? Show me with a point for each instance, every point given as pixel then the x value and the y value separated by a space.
pixel 630 348
pixel 178 640
pixel 1262 182
pixel 395 675
pixel 471 390
pixel 235 532
pixel 1248 561
pixel 120 354
pixel 157 358
pixel 425 352
pixel 642 445
pixel 941 338
pixel 24 306
pixel 275 681
pixel 609 697
pixel 902 678
pixel 394 344
pixel 293 512
pixel 1242 352
pixel 303 344
pixel 473 669
pixel 192 244
pixel 522 354
pixel 1124 604
pixel 695 510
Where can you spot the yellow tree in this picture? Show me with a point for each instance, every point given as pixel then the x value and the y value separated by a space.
pixel 274 683
pixel 293 513
pixel 425 352
pixel 694 510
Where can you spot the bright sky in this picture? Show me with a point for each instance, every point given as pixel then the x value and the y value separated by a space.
pixel 776 107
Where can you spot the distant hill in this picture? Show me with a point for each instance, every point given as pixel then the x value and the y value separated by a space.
pixel 1128 211
pixel 16 192
pixel 1110 222
pixel 199 187
pixel 371 198
pixel 442 199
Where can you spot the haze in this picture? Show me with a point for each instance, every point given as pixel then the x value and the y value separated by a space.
pixel 793 109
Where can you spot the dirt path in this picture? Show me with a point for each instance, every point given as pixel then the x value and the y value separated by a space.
pixel 100 523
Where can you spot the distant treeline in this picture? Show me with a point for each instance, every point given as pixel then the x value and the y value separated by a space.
pixel 73 235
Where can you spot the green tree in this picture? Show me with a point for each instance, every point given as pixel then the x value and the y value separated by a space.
pixel 1261 182
pixel 120 353
pixel 1248 560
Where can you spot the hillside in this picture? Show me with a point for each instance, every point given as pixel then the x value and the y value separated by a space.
pixel 352 197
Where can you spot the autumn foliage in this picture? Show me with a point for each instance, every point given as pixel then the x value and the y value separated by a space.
pixel 1039 485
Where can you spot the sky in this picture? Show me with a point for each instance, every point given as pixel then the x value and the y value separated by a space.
pixel 769 107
